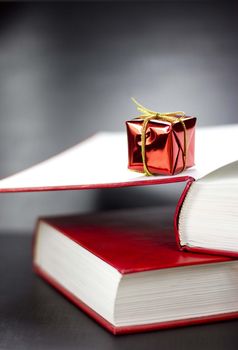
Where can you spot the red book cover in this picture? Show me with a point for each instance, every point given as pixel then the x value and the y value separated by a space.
pixel 131 242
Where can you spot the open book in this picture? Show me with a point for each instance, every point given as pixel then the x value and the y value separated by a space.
pixel 208 219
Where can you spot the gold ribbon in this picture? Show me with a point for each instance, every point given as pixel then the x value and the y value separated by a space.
pixel 171 117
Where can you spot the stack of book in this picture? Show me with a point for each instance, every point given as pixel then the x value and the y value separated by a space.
pixel 132 270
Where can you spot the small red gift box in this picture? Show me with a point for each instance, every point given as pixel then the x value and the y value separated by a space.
pixel 161 143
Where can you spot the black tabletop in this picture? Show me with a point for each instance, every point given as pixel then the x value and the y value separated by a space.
pixel 34 316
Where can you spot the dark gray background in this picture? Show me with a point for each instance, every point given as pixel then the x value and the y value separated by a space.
pixel 68 70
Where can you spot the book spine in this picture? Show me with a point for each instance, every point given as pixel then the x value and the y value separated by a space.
pixel 178 210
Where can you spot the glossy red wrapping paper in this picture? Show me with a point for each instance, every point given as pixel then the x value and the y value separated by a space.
pixel 164 145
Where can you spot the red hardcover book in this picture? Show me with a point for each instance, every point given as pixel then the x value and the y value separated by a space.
pixel 123 269
pixel 206 219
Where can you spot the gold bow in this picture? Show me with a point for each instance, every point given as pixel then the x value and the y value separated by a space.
pixel 171 117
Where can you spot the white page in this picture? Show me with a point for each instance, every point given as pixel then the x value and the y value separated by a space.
pixel 102 161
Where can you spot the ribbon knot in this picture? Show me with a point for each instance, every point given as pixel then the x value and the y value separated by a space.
pixel 171 117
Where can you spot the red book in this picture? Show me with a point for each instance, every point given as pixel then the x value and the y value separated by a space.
pixel 206 218
pixel 123 269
